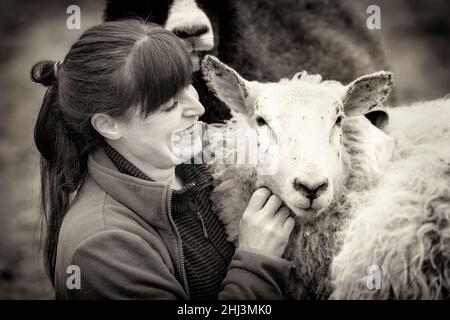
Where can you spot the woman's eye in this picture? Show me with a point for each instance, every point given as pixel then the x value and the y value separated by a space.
pixel 172 107
pixel 339 121
pixel 261 122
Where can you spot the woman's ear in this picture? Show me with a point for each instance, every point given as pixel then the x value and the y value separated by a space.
pixel 106 125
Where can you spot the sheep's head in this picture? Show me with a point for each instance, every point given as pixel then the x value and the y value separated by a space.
pixel 303 119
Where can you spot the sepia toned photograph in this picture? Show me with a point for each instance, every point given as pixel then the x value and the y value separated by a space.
pixel 225 150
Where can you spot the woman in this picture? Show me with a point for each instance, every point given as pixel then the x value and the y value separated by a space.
pixel 118 204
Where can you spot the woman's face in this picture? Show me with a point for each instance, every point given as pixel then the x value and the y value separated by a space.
pixel 169 136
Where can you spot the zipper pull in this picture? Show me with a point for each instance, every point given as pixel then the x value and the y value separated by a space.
pixel 199 217
pixel 205 232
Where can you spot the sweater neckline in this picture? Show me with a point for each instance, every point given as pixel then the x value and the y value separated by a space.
pixel 194 178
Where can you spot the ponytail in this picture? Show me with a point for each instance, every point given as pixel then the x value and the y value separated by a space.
pixel 63 161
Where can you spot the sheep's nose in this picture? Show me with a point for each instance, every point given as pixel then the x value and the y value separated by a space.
pixel 191 31
pixel 310 190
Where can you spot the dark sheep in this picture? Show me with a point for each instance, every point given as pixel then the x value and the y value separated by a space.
pixel 266 40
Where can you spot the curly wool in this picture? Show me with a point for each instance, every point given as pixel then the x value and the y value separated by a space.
pixel 403 224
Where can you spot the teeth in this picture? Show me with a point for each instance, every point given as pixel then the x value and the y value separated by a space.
pixel 187 132
pixel 191 129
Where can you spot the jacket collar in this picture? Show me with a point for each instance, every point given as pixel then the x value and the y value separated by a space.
pixel 148 199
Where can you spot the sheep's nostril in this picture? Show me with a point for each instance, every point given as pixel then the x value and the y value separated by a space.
pixel 192 31
pixel 310 191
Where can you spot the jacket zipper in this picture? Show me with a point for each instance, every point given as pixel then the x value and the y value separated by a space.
pixel 180 244
pixel 199 216
pixel 200 219
pixel 205 231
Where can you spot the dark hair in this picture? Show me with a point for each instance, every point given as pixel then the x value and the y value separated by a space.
pixel 114 68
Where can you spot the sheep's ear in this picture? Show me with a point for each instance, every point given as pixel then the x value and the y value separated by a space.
pixel 236 92
pixel 367 92
pixel 379 118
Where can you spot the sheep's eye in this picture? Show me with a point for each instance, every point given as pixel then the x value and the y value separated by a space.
pixel 261 122
pixel 339 121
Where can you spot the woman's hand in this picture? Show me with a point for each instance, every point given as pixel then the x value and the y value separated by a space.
pixel 265 226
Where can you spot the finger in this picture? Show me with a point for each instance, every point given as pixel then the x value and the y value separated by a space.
pixel 272 205
pixel 258 199
pixel 282 214
pixel 288 226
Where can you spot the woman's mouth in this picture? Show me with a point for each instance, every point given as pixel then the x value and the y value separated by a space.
pixel 186 135
pixel 188 131
pixel 186 143
pixel 191 127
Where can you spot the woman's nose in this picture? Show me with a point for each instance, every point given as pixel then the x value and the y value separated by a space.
pixel 193 106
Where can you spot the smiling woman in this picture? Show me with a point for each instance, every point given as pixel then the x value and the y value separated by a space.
pixel 115 125
pixel 63 132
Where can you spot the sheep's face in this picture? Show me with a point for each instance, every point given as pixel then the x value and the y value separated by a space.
pixel 301 120
pixel 304 124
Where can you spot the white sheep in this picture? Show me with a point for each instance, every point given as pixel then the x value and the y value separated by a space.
pixel 324 146
pixel 394 216
pixel 397 245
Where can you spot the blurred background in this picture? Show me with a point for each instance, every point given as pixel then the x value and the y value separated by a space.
pixel 415 36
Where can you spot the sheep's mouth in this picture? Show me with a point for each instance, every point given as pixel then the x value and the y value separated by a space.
pixel 197 57
pixel 299 219
pixel 303 214
pixel 195 60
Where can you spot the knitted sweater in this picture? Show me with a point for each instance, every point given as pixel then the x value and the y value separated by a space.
pixel 207 253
